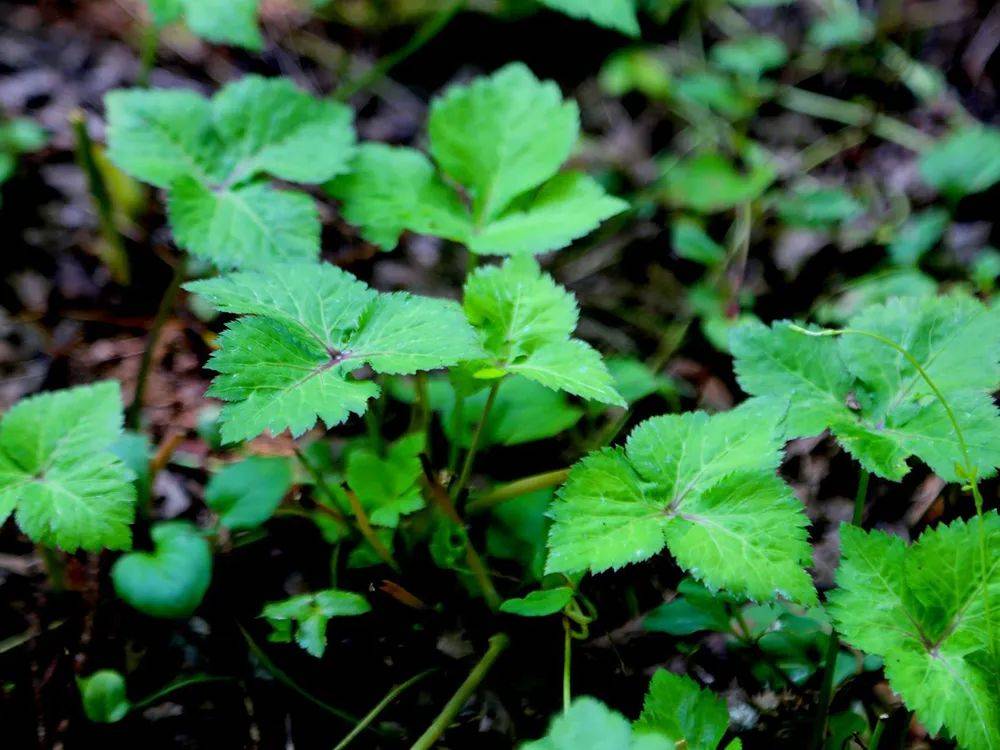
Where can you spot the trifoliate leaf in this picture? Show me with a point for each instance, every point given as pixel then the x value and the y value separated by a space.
pixel 876 403
pixel 103 696
pixel 705 487
pixel 589 723
pixel 539 603
pixel 305 617
pixel 963 163
pixel 171 580
pixel 923 609
pixel 305 328
pixel 214 158
pixel 503 139
pixel 388 486
pixel 245 494
pixel 677 709
pixel 619 15
pixel 59 473
pixel 525 321
pixel 223 21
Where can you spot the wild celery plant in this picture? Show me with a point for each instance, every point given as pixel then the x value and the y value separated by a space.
pixel 910 378
pixel 214 158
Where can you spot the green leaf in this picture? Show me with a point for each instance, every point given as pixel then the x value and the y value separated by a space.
pixel 502 139
pixel 517 531
pixel 922 608
pixel 170 581
pixel 223 21
pixel 750 55
pixel 502 135
pixel 918 235
pixel 692 242
pixel 677 709
pixel 874 289
pixel 635 380
pixel 965 162
pixel 215 157
pixel 843 26
pixel 569 206
pixel 270 126
pixel 619 15
pixel 388 487
pixel 708 182
pixel 245 494
pixel 288 361
pixel 636 69
pixel 703 486
pixel 817 208
pixel 244 226
pixel 525 321
pixel 588 723
pixel 59 473
pixel 305 617
pixel 103 696
pixel 695 609
pixel 539 603
pixel 874 400
pixel 390 190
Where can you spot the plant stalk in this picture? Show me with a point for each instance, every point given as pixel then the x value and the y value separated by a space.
pixel 567 695
pixel 365 527
pixel 430 29
pixel 833 645
pixel 515 489
pixel 134 412
pixel 147 54
pixel 114 255
pixel 470 456
pixel 498 643
pixel 380 707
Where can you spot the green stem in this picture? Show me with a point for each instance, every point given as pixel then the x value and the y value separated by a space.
pixel 132 416
pixel 421 414
pixel 514 489
pixel 498 643
pixel 567 695
pixel 470 456
pixel 114 255
pixel 833 645
pixel 55 566
pixel 877 734
pixel 380 707
pixel 853 113
pixel 147 59
pixel 430 29
pixel 174 686
pixel 457 414
pixel 281 676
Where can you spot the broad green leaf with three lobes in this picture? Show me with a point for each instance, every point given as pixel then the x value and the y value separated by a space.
pixel 304 617
pixel 388 486
pixel 526 321
pixel 304 329
pixel 619 15
pixel 704 487
pixel 222 21
pixel 874 401
pixel 501 138
pixel 59 474
pixel 922 609
pixel 214 158
pixel 676 708
pixel 588 723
